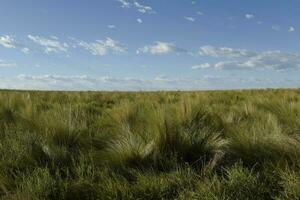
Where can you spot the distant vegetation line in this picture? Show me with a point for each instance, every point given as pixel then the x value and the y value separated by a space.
pixel 211 145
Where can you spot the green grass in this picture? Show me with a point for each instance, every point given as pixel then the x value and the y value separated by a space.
pixel 150 145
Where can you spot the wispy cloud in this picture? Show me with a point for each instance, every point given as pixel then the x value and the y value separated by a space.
pixel 139 20
pixel 124 3
pixel 143 8
pixel 7 41
pixel 201 66
pixel 138 6
pixel 247 59
pixel 291 29
pixel 111 26
pixel 10 42
pixel 191 19
pixel 249 16
pixel 4 63
pixel 159 48
pixel 200 13
pixel 25 50
pixel 50 45
pixel 76 82
pixel 102 47
pixel 212 51
pixel 276 27
pixel 160 82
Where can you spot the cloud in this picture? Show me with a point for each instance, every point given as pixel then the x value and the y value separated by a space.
pixel 160 82
pixel 191 19
pixel 246 59
pixel 276 27
pixel 139 7
pixel 159 48
pixel 50 45
pixel 249 16
pixel 200 13
pixel 53 82
pixel 275 60
pixel 4 63
pixel 259 22
pixel 125 4
pixel 267 60
pixel 201 66
pixel 139 20
pixel 142 8
pixel 229 65
pixel 7 41
pixel 224 52
pixel 111 26
pixel 291 29
pixel 76 82
pixel 102 47
pixel 25 50
pixel 49 78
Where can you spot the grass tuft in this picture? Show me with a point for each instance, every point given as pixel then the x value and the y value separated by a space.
pixel 216 145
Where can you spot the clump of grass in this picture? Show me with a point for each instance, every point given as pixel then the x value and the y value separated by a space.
pixel 291 184
pixel 255 148
pixel 39 184
pixel 236 182
pixel 287 114
pixel 129 148
pixel 191 135
pixel 150 145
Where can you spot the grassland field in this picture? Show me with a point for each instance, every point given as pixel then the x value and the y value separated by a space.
pixel 212 145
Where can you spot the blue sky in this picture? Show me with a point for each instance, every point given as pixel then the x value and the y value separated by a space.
pixel 149 44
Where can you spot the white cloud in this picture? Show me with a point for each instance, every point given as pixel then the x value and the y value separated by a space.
pixel 25 50
pixel 7 41
pixel 50 45
pixel 200 13
pixel 102 47
pixel 139 7
pixel 76 82
pixel 159 48
pixel 142 8
pixel 201 66
pixel 191 19
pixel 4 63
pixel 276 27
pixel 124 3
pixel 228 65
pixel 111 26
pixel 160 82
pixel 275 60
pixel 224 52
pixel 249 16
pixel 291 29
pixel 259 22
pixel 139 20
pixel 246 59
